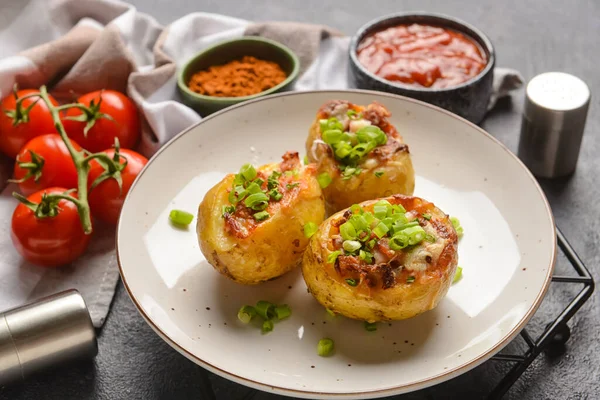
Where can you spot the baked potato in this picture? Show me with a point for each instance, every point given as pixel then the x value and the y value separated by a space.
pixel 251 225
pixel 359 154
pixel 382 260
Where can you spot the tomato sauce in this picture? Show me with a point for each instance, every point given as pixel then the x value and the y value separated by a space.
pixel 422 56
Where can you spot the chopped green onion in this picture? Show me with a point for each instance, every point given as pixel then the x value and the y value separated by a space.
pixel 457 275
pixel 370 326
pixel 342 149
pixel 415 234
pixel 283 311
pixel 427 216
pixel 359 222
pixel 398 226
pixel 309 229
pixel 265 309
pixel 306 162
pixel 273 180
pixel 261 215
pixel 257 201
pixel 331 312
pixel 351 282
pixel 372 243
pixel 365 256
pixel 246 314
pixel 356 209
pixel 360 150
pixel 331 123
pixel 275 195
pixel 380 211
pixel 292 185
pixel 353 115
pixel 351 246
pixel 348 231
pixel 349 172
pixel 332 136
pixel 379 174
pixel 333 256
pixel 237 194
pixel 181 217
pixel 430 238
pixel 324 180
pixel 398 208
pixel 267 326
pixel 410 279
pixel 239 180
pixel 228 210
pixel 371 133
pixel 248 172
pixel 399 241
pixel 380 230
pixel 253 188
pixel 457 226
pixel 325 347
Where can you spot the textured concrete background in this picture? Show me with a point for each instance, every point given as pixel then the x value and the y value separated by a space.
pixel 532 36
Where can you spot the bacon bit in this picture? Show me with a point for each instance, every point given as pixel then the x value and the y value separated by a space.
pixel 383 246
pixel 328 108
pixel 291 161
pixel 233 227
pixel 387 276
pixel 376 113
pixel 337 242
pixel 349 264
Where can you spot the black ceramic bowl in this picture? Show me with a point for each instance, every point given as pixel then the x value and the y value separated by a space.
pixel 468 100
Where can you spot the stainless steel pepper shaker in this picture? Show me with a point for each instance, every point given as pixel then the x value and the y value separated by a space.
pixel 554 116
pixel 45 333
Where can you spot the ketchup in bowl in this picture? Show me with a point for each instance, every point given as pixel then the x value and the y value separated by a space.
pixel 421 56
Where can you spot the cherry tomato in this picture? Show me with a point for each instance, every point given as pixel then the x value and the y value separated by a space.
pixel 125 123
pixel 106 200
pixel 48 241
pixel 57 167
pixel 38 121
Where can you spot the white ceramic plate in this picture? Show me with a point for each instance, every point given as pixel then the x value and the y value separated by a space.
pixel 507 254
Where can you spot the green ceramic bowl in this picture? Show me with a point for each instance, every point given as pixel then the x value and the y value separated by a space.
pixel 230 50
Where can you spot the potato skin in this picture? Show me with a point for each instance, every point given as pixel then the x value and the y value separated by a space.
pixel 401 301
pixel 275 246
pixel 398 172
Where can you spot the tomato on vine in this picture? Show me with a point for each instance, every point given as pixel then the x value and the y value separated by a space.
pixel 46 230
pixel 107 115
pixel 107 196
pixel 22 121
pixel 45 162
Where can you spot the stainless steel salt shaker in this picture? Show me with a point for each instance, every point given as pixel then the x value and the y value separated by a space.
pixel 45 333
pixel 554 116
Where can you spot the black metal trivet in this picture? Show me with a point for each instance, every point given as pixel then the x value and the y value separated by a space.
pixel 557 332
pixel 555 335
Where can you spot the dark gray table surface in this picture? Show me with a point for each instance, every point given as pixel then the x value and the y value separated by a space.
pixel 531 36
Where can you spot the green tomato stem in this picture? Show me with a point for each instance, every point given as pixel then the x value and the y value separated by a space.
pixel 82 167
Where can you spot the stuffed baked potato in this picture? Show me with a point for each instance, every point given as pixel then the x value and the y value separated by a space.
pixel 251 225
pixel 381 260
pixel 359 154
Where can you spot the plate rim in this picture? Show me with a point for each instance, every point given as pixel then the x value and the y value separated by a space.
pixel 420 384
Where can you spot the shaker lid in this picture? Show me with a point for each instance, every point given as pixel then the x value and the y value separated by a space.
pixel 558 91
